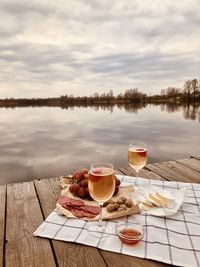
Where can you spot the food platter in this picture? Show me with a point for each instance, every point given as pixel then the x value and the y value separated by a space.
pixel 79 207
pixel 152 200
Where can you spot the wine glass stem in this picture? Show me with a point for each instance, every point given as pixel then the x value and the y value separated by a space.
pixel 100 214
pixel 137 172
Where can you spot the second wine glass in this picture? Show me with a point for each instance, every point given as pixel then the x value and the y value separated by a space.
pixel 137 157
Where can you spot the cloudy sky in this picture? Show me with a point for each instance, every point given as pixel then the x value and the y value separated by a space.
pixel 51 48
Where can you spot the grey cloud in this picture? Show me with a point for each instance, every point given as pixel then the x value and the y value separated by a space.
pixel 153 64
pixel 81 42
pixel 19 8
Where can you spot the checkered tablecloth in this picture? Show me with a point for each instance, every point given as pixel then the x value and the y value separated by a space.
pixel 174 240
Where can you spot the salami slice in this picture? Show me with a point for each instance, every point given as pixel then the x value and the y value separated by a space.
pixel 81 213
pixel 91 209
pixel 69 207
pixel 78 207
pixel 77 213
pixel 63 200
pixel 77 202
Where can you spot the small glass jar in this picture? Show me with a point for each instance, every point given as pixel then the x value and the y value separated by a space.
pixel 129 232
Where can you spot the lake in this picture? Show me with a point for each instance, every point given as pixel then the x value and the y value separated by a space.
pixel 44 142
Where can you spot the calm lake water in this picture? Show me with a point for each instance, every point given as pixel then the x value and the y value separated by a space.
pixel 45 141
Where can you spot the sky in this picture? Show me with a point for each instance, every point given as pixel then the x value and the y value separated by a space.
pixel 52 48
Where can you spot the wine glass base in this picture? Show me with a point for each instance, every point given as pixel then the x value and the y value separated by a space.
pixel 97 230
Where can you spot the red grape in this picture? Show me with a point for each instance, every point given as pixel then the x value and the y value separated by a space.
pixel 78 176
pixel 117 181
pixel 74 188
pixel 84 171
pixel 87 192
pixel 82 192
pixel 84 183
pixel 116 190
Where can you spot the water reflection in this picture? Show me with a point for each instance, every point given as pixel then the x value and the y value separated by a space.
pixel 191 111
pixel 44 142
pixel 128 107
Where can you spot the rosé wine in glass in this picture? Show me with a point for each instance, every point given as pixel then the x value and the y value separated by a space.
pixel 137 156
pixel 101 185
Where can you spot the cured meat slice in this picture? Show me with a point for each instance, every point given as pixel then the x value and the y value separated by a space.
pixel 77 213
pixel 78 207
pixel 81 213
pixel 69 207
pixel 91 209
pixel 63 200
pixel 77 202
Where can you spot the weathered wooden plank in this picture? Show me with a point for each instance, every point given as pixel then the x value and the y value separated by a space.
pixel 118 171
pixel 68 254
pixel 23 217
pixel 172 170
pixel 120 260
pixel 192 163
pixel 183 173
pixel 145 173
pixel 2 220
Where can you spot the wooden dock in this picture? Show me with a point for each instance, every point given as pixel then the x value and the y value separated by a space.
pixel 24 206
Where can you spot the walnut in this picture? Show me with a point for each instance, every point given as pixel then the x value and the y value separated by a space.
pixel 110 207
pixel 123 206
pixel 123 199
pixel 110 201
pixel 120 201
pixel 129 203
pixel 116 206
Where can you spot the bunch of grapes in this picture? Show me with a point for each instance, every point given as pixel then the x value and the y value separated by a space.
pixel 79 187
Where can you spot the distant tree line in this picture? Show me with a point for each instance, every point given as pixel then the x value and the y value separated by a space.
pixel 189 92
pixel 129 96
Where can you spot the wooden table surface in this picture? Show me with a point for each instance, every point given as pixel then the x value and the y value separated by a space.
pixel 24 206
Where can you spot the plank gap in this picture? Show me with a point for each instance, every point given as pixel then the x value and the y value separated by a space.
pixel 150 169
pixel 50 241
pixel 101 253
pixel 179 162
pixel 121 170
pixel 195 157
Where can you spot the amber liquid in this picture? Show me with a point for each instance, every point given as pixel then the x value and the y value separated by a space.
pixel 137 158
pixel 129 233
pixel 101 184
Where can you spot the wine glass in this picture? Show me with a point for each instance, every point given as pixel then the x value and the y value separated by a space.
pixel 137 157
pixel 101 185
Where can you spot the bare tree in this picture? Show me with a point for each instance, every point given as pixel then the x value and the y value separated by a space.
pixel 163 92
pixel 194 84
pixel 187 87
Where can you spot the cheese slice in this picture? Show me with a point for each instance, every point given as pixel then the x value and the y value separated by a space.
pixel 155 200
pixel 147 202
pixel 145 207
pixel 167 198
